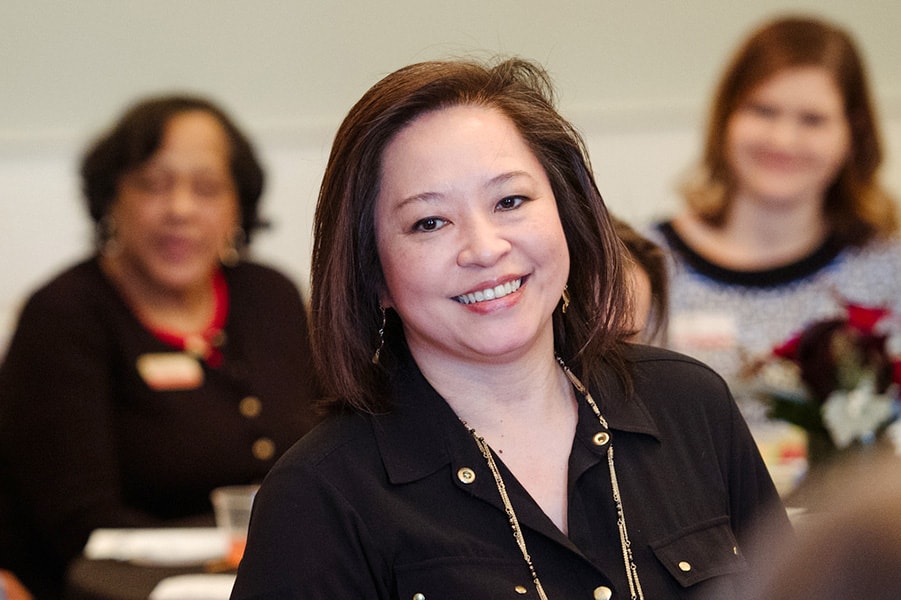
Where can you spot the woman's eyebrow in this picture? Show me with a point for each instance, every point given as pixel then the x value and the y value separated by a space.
pixel 495 181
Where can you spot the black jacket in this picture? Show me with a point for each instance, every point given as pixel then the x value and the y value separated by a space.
pixel 370 507
pixel 85 442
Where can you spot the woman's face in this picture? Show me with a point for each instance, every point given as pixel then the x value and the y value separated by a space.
pixel 789 139
pixel 175 213
pixel 471 245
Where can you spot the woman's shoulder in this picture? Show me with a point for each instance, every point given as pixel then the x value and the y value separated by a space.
pixel 66 309
pixel 871 274
pixel 345 438
pixel 257 272
pixel 679 249
pixel 879 249
pixel 667 374
pixel 260 279
pixel 680 232
pixel 646 357
pixel 72 288
pixel 878 262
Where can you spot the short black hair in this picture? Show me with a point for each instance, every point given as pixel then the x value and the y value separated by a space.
pixel 137 136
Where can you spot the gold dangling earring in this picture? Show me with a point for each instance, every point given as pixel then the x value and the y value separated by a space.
pixel 230 255
pixel 378 350
pixel 566 298
pixel 107 244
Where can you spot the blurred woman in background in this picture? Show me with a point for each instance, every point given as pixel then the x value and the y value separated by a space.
pixel 161 367
pixel 785 218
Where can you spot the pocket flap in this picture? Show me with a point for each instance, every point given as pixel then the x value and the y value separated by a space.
pixel 697 553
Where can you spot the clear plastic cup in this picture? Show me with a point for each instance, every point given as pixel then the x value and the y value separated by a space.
pixel 232 505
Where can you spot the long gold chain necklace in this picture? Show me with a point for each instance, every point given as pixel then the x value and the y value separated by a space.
pixel 626 545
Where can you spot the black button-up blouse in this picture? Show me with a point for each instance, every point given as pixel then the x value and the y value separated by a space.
pixel 403 505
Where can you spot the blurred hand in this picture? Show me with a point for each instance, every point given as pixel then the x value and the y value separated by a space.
pixel 11 588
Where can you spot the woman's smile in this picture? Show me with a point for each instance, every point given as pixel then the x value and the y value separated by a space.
pixel 778 161
pixel 490 293
pixel 176 248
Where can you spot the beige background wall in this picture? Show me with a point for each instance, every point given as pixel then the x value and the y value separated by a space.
pixel 634 76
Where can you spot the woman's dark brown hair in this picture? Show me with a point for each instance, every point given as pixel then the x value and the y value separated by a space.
pixel 857 207
pixel 346 275
pixel 137 135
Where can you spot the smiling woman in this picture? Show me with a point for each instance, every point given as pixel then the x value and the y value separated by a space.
pixel 472 456
pixel 493 227
pixel 161 367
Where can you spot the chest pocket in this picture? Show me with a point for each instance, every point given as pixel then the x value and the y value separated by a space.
pixel 456 578
pixel 701 552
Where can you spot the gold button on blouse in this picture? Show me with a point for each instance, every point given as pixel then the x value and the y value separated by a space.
pixel 520 589
pixel 600 438
pixel 418 596
pixel 602 592
pixel 250 407
pixel 685 566
pixel 466 475
pixel 263 449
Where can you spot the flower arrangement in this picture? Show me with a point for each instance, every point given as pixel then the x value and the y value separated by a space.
pixel 838 379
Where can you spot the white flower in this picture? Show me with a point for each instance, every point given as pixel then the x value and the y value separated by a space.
pixel 856 414
pixel 782 375
pixel 893 345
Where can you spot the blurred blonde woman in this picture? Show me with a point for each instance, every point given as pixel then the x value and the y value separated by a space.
pixel 785 216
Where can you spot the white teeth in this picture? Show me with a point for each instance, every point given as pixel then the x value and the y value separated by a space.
pixel 494 293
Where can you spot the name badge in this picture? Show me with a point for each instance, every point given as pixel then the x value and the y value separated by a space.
pixel 170 371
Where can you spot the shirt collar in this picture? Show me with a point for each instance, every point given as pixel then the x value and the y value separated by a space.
pixel 422 434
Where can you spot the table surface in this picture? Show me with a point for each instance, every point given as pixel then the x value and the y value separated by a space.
pixel 115 580
pixel 89 579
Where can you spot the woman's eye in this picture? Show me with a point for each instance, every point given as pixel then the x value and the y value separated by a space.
pixel 429 224
pixel 510 202
pixel 762 110
pixel 152 183
pixel 209 187
pixel 813 119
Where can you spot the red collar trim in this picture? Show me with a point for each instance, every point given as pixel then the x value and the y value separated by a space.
pixel 206 345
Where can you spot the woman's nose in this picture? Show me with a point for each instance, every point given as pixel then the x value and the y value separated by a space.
pixel 784 133
pixel 483 244
pixel 181 198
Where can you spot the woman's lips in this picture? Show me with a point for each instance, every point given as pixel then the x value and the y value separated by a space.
pixel 175 248
pixel 490 293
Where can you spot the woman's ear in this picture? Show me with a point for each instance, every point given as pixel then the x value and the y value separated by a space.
pixel 385 300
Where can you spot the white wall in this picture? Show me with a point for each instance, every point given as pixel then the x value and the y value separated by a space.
pixel 634 76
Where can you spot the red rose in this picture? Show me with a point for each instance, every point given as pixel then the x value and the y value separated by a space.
pixel 864 318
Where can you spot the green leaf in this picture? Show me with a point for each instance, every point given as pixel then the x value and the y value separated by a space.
pixel 796 410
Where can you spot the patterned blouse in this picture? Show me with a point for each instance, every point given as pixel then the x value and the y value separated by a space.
pixel 725 317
